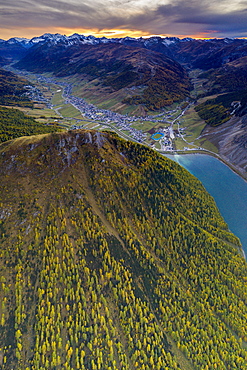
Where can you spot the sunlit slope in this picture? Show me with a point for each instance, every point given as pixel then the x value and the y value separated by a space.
pixel 113 257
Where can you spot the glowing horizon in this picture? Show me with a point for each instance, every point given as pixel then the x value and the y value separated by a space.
pixel 114 33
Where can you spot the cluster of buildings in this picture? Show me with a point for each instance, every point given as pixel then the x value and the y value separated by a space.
pixel 34 94
pixel 103 116
pixel 90 111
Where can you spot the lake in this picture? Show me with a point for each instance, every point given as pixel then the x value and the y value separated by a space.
pixel 228 189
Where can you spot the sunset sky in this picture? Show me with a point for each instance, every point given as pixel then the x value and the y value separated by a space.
pixel 113 18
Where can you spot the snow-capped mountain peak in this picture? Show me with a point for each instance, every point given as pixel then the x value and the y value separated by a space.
pixel 18 40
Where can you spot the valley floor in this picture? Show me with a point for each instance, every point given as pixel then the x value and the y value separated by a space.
pixel 182 129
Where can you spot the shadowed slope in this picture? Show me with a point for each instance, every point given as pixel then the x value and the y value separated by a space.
pixel 116 66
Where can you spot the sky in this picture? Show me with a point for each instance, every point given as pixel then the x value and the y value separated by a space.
pixel 116 18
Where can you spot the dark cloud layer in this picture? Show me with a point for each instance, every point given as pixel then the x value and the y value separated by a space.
pixel 201 16
pixel 178 17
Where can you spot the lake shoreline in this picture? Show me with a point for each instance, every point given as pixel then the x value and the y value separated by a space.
pixel 234 168
pixel 224 182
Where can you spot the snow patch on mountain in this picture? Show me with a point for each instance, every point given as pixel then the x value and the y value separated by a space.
pixel 168 42
pixel 78 39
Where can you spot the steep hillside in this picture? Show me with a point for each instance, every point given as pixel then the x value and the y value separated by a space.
pixel 14 124
pixel 231 140
pixel 11 51
pixel 153 79
pixel 196 53
pixel 232 77
pixel 214 53
pixel 226 107
pixel 113 257
pixel 3 61
pixel 13 90
pixel 220 109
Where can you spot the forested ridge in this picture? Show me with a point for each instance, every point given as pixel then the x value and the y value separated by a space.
pixel 113 257
pixel 14 124
pixel 219 110
pixel 13 90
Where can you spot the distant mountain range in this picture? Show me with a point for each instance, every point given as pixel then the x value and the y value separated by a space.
pixel 141 59
pixel 196 53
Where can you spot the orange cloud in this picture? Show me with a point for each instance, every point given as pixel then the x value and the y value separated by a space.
pixel 31 32
pixel 110 33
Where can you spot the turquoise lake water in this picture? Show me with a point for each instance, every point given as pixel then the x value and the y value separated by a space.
pixel 228 189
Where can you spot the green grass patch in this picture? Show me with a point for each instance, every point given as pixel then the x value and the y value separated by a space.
pixel 47 113
pixel 193 124
pixel 66 125
pixel 107 104
pixel 180 144
pixel 90 125
pixel 57 98
pixel 127 109
pixel 68 110
pixel 126 132
pixel 207 145
pixel 144 125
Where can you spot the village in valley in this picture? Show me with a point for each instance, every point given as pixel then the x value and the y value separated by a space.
pixel 160 131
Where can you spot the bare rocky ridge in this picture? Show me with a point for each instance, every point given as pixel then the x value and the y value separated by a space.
pixel 231 140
